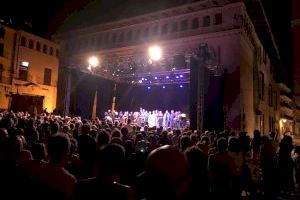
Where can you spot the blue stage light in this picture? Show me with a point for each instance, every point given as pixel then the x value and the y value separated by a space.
pixel 155 78
pixel 177 76
pixel 181 86
pixel 181 76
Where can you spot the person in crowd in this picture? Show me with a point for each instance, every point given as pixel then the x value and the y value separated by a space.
pixel 165 176
pixel 106 185
pixel 54 174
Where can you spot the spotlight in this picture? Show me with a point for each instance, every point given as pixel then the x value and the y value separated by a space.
pixel 143 79
pixel 155 53
pixel 93 61
pixel 155 78
pixel 181 86
pixel 181 76
pixel 167 77
pixel 164 87
pixel 146 79
pixel 140 81
pixel 148 87
pixel 177 76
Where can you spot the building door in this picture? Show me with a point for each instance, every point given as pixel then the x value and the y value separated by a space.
pixel 27 103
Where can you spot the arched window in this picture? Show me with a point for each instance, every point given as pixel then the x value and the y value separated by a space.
pixel 129 35
pixel 184 25
pixel 218 18
pixel 195 23
pixel 38 46
pixel 206 21
pixel 30 45
pixel 45 48
pixel 164 29
pixel 23 41
pixel 51 51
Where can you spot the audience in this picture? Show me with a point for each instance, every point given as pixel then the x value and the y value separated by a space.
pixel 58 157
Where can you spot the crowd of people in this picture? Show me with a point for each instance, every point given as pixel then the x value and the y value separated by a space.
pixel 155 118
pixel 47 156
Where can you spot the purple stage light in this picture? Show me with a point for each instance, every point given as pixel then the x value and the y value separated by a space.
pixel 167 77
pixel 148 87
pixel 181 86
pixel 155 78
pixel 146 79
pixel 140 81
pixel 181 76
pixel 177 76
pixel 143 79
pixel 164 87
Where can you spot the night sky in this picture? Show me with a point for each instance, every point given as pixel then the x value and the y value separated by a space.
pixel 45 17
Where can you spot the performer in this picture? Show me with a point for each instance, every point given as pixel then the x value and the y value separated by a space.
pixel 166 119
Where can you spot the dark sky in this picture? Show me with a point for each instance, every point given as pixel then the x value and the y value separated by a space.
pixel 46 16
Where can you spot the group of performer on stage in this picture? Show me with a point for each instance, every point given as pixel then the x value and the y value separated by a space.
pixel 155 118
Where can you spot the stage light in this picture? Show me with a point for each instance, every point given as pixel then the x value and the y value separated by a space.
pixel 89 68
pixel 93 61
pixel 143 79
pixel 177 76
pixel 155 53
pixel 155 78
pixel 181 86
pixel 164 87
pixel 146 79
pixel 181 76
pixel 149 87
pixel 167 77
pixel 140 81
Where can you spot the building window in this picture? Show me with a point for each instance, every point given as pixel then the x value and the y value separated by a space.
pixel 99 41
pixel 129 35
pixel 23 41
pixel 121 37
pixel 57 53
pixel 264 56
pixel 174 27
pixel 270 95
pixel 38 46
pixel 137 34
pixel 275 100
pixel 218 18
pixel 30 45
pixel 195 23
pixel 155 30
pixel 45 48
pixel 47 76
pixel 23 70
pixel 206 21
pixel 261 85
pixel 164 29
pixel 184 25
pixel 1 49
pixel 146 32
pixel 51 51
pixel 1 72
pixel 2 32
pixel 114 38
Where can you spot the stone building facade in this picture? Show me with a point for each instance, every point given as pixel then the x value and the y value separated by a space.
pixel 250 98
pixel 29 71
